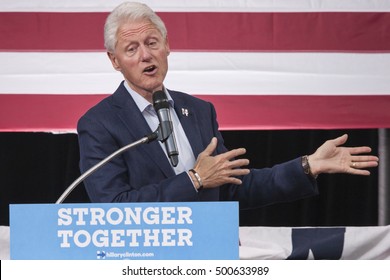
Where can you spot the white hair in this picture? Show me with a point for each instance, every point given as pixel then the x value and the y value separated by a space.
pixel 125 12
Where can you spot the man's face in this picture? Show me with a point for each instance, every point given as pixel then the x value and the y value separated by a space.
pixel 141 54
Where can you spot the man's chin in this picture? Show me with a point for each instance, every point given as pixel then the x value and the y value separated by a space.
pixel 155 87
pixel 147 89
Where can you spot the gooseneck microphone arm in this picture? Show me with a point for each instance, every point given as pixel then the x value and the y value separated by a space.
pixel 147 139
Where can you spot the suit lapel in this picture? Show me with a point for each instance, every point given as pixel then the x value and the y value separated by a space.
pixel 188 119
pixel 137 128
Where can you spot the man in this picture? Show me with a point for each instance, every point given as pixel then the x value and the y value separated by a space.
pixel 137 46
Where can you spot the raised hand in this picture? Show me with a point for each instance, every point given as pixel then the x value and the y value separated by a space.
pixel 220 169
pixel 331 157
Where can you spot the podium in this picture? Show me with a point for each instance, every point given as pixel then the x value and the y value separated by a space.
pixel 107 231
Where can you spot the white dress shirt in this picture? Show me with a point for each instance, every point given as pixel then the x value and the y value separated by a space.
pixel 186 155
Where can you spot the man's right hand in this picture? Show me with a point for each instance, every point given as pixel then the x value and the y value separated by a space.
pixel 220 169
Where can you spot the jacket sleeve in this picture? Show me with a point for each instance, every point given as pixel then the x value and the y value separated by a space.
pixel 283 182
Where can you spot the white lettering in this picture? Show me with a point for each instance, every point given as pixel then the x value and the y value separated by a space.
pixel 64 218
pixel 153 219
pixel 65 234
pixel 82 234
pixel 80 212
pixel 184 215
pixel 133 215
pixel 116 240
pixel 126 216
pixel 167 215
pixel 97 215
pixel 133 233
pixel 151 235
pixel 114 212
pixel 121 237
pixel 100 238
pixel 167 237
pixel 184 237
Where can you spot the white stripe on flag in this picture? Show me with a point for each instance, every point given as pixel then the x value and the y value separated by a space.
pixel 204 73
pixel 200 5
pixel 330 56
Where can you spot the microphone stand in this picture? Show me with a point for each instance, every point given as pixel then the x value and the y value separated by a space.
pixel 144 140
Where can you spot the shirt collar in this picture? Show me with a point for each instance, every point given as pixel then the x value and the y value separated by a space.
pixel 141 102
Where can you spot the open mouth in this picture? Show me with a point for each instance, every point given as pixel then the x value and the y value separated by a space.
pixel 150 69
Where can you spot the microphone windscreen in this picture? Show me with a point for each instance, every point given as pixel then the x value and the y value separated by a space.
pixel 160 100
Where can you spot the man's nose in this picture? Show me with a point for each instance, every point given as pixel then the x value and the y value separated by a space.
pixel 145 53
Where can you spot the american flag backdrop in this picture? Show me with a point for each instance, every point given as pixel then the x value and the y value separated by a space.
pixel 264 64
pixel 272 64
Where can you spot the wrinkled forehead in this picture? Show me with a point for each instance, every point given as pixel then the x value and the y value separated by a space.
pixel 131 29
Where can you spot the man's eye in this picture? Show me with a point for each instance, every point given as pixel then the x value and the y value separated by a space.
pixel 152 44
pixel 131 50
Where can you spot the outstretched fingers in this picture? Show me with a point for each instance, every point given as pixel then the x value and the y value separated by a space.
pixel 359 164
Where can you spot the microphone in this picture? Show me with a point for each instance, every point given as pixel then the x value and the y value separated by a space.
pixel 147 139
pixel 166 135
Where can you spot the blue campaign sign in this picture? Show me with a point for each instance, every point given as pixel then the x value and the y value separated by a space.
pixel 165 231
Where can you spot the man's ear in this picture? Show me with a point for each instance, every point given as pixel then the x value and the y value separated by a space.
pixel 114 61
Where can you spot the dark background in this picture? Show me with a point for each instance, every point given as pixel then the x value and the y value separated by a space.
pixel 38 167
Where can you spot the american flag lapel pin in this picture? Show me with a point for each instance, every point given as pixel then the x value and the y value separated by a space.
pixel 184 112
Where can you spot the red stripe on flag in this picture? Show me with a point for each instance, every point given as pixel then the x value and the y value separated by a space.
pixel 38 112
pixel 38 31
pixel 250 112
pixel 195 31
pixel 23 112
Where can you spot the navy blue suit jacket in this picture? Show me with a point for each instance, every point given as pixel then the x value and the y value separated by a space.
pixel 144 174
